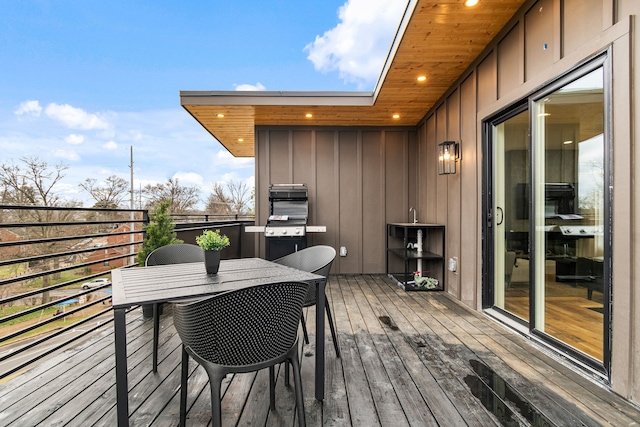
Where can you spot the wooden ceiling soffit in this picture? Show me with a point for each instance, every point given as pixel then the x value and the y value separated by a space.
pixel 437 39
pixel 231 116
pixel 232 126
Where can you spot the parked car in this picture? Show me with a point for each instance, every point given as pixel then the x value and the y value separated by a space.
pixel 96 283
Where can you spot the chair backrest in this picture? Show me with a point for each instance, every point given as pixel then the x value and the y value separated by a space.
pixel 245 327
pixel 175 254
pixel 314 259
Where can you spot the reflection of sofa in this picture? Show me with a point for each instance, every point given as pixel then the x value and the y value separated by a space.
pixel 520 272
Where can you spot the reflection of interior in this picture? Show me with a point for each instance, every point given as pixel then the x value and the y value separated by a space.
pixel 574 282
pixel 573 241
pixel 573 221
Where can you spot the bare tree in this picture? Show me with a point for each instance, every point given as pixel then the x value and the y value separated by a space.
pixel 183 199
pixel 234 197
pixel 108 194
pixel 32 183
pixel 218 201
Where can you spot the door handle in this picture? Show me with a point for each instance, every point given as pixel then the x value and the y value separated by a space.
pixel 501 215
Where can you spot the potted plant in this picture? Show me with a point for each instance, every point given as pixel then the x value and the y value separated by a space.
pixel 212 242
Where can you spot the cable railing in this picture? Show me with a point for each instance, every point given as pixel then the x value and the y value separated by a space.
pixel 50 258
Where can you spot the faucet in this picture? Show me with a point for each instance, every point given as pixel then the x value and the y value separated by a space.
pixel 415 219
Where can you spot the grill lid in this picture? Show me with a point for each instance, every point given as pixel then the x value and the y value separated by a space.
pixel 289 203
pixel 285 192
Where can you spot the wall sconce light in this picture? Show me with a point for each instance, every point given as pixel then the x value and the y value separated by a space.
pixel 448 154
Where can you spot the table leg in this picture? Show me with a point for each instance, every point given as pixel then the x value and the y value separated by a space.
pixel 122 396
pixel 156 331
pixel 320 302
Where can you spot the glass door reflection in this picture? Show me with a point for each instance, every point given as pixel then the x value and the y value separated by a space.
pixel 569 215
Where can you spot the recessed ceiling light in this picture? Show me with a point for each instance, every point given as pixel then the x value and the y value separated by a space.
pixel 396 116
pixel 471 3
pixel 567 142
pixel 220 115
pixel 421 78
pixel 308 115
pixel 240 140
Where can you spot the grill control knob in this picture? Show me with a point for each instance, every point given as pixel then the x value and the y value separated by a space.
pixel 284 232
pixel 270 232
pixel 297 231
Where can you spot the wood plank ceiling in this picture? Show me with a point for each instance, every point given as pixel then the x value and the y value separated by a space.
pixel 437 39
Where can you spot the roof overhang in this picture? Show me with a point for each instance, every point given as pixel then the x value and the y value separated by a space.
pixel 435 39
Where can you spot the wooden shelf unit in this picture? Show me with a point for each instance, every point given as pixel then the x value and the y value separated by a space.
pixel 399 237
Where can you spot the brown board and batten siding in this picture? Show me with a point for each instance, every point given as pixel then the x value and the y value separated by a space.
pixel 543 41
pixel 358 181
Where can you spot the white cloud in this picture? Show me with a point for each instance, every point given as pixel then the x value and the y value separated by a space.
pixel 74 139
pixel 75 118
pixel 224 158
pixel 67 154
pixel 233 176
pixel 31 108
pixel 247 87
pixel 164 142
pixel 111 145
pixel 358 46
pixel 189 178
pixel 135 135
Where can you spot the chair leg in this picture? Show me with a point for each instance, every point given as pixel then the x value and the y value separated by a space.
pixel 304 329
pixel 216 409
pixel 287 381
pixel 156 333
pixel 183 387
pixel 297 379
pixel 333 329
pixel 272 387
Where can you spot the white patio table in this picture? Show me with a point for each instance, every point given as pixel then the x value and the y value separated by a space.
pixel 174 282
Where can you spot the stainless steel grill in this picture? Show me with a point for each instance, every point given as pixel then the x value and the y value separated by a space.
pixel 288 210
pixel 286 228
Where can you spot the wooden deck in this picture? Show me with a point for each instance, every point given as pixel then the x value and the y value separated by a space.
pixel 408 359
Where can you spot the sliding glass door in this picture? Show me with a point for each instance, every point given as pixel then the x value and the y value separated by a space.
pixel 548 216
pixel 510 218
pixel 569 213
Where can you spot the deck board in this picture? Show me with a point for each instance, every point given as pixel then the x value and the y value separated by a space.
pixel 407 359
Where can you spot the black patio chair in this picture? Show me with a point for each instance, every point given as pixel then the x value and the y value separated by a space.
pixel 241 331
pixel 315 259
pixel 169 254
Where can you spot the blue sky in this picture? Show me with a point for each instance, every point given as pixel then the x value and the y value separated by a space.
pixel 83 81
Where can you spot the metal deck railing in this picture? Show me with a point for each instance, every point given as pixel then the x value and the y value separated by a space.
pixel 48 254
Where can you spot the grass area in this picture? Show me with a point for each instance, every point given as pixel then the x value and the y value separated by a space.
pixel 14 270
pixel 36 317
pixel 26 320
pixel 7 311
pixel 65 276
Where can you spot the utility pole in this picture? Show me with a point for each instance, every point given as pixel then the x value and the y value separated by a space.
pixel 132 237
